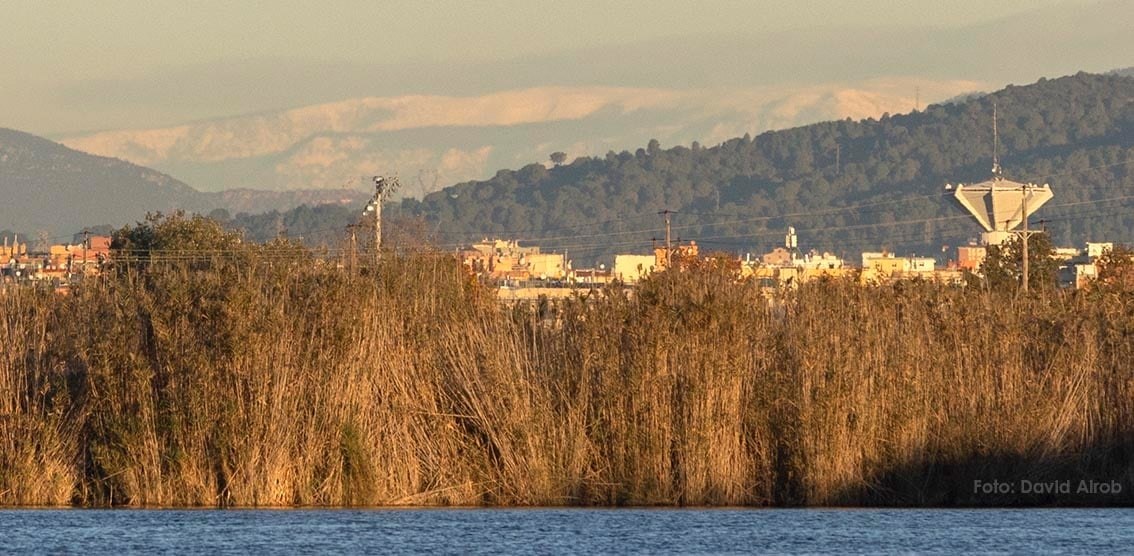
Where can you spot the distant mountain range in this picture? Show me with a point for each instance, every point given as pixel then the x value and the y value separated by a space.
pixel 433 141
pixel 45 186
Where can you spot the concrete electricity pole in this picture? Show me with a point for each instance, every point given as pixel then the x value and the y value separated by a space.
pixel 1024 235
pixel 86 242
pixel 1024 213
pixel 351 263
pixel 668 245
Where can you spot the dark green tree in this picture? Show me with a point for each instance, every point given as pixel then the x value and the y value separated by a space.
pixel 178 238
pixel 1003 266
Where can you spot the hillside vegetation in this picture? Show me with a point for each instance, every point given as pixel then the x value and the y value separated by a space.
pixel 846 185
pixel 49 189
pixel 255 375
pixel 46 186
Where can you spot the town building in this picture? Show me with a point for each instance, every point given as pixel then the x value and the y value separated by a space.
pixel 663 256
pixel 1096 249
pixel 630 269
pixel 61 263
pixel 506 260
pixel 970 257
pixel 819 261
pixel 777 257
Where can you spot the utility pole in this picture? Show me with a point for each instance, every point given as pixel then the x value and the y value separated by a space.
pixel 1024 235
pixel 379 186
pixel 353 248
pixel 668 245
pixel 86 242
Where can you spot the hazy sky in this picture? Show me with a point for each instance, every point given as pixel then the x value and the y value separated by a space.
pixel 70 66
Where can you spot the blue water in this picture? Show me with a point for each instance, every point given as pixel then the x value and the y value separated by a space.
pixel 553 531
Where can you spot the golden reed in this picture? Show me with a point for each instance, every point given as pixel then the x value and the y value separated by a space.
pixel 271 379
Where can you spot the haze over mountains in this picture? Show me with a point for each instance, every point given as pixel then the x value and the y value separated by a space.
pixel 285 123
pixel 434 141
pixel 175 78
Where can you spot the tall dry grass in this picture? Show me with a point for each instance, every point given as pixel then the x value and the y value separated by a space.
pixel 271 379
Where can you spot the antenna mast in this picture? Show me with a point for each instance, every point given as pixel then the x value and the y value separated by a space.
pixel 996 173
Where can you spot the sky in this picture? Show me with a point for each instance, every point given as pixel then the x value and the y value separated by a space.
pixel 77 66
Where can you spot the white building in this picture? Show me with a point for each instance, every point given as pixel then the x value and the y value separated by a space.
pixel 1096 250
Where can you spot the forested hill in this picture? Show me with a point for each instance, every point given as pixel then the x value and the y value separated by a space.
pixel 48 187
pixel 846 186
pixel 52 191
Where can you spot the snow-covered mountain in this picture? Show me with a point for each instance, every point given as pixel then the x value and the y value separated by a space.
pixel 432 141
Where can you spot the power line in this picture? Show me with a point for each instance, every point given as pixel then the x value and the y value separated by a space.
pixel 766 233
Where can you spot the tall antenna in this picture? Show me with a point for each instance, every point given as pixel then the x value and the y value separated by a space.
pixel 995 144
pixel 999 204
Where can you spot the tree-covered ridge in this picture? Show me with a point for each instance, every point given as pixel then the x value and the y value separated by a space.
pixel 48 189
pixel 46 186
pixel 846 185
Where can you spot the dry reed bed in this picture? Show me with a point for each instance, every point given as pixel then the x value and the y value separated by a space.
pixel 281 382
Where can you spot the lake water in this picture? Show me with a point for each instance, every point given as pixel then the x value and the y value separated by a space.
pixel 546 531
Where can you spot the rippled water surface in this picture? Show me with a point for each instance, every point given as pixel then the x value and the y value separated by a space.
pixel 490 531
